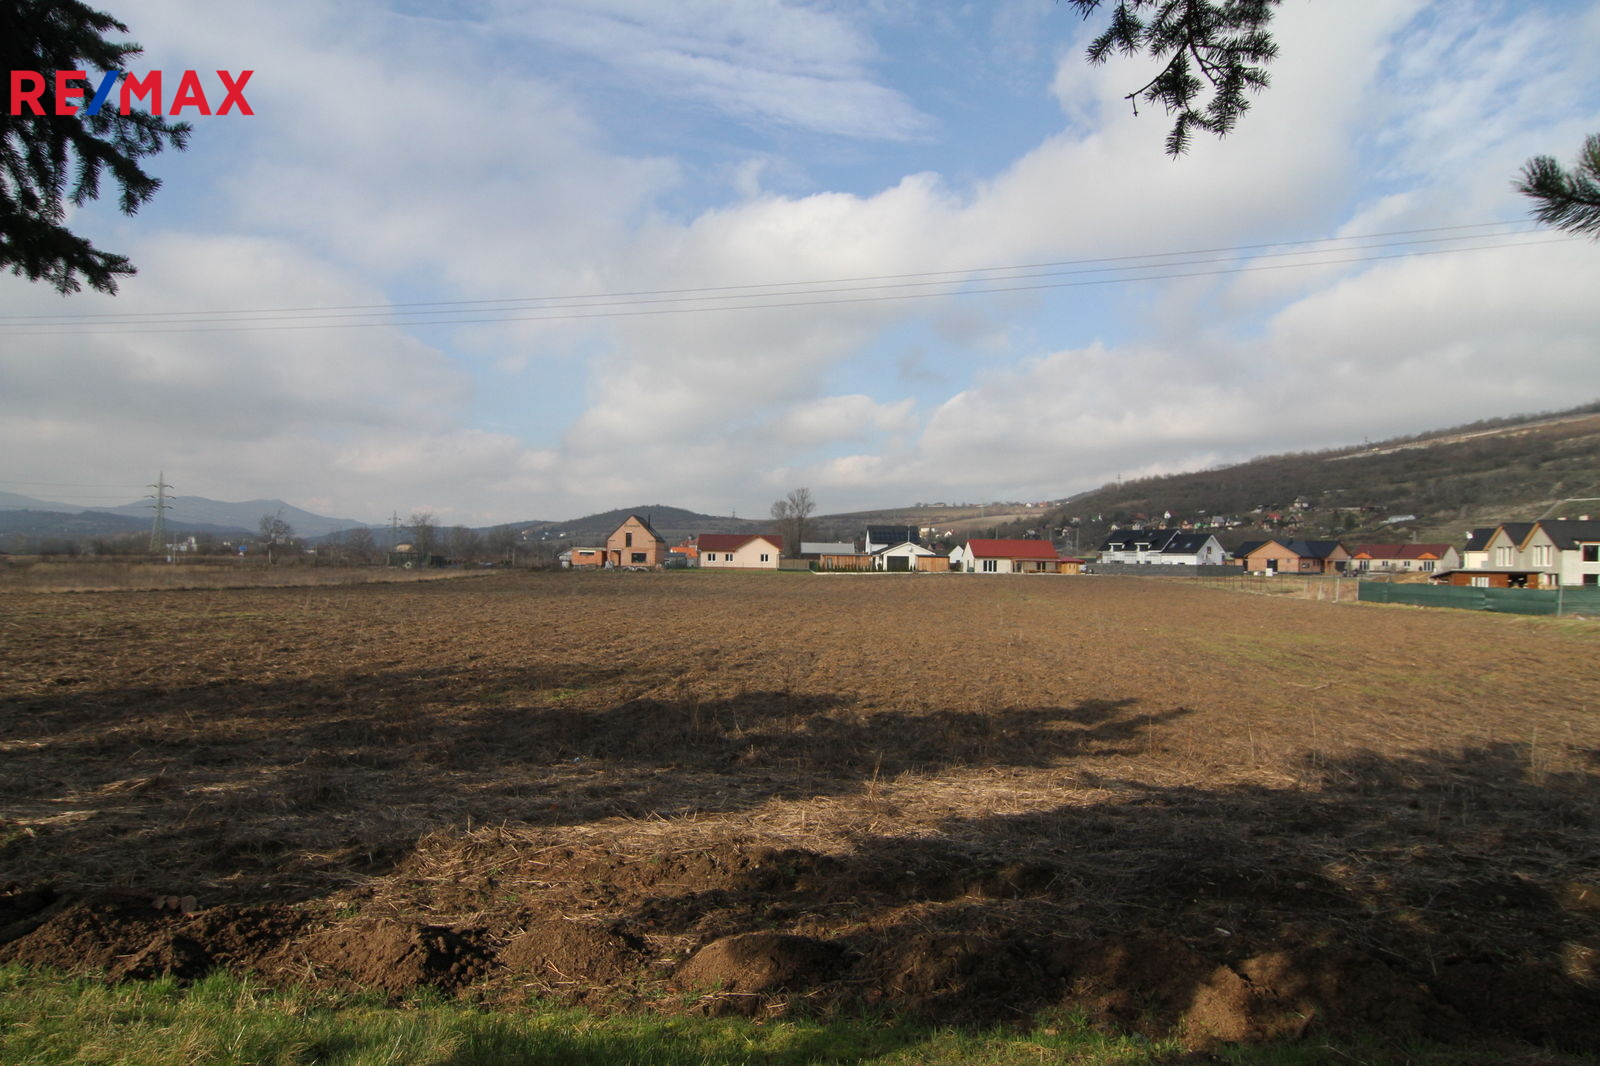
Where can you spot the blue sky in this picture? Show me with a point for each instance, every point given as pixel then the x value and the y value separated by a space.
pixel 497 160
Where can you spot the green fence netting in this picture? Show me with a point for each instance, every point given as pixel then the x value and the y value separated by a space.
pixel 1562 601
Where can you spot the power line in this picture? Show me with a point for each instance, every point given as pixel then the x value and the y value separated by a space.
pixel 625 301
pixel 964 272
pixel 600 311
pixel 67 485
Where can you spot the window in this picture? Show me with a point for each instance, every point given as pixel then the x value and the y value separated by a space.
pixel 1502 556
pixel 1541 555
pixel 1591 580
pixel 1591 553
pixel 765 557
pixel 627 540
pixel 1427 565
pixel 991 566
pixel 640 557
pixel 1480 582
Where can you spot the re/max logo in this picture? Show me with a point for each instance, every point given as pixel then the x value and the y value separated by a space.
pixel 27 87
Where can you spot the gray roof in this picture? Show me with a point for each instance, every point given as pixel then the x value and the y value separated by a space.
pixel 1314 549
pixel 824 547
pixel 1165 541
pixel 1566 532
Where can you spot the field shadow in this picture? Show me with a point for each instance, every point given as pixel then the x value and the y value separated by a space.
pixel 1444 893
pixel 294 787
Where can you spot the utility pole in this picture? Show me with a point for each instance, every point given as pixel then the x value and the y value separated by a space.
pixel 158 530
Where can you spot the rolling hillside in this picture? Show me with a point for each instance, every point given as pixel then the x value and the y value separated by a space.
pixel 1451 480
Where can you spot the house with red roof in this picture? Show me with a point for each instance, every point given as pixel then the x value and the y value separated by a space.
pixel 1404 558
pixel 985 556
pixel 739 551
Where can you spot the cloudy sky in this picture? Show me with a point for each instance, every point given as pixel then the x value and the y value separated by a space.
pixel 514 259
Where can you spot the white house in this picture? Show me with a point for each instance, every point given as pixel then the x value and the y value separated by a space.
pixel 739 551
pixel 1475 556
pixel 1404 558
pixel 902 556
pixel 1566 550
pixel 985 556
pixel 1164 547
pixel 881 537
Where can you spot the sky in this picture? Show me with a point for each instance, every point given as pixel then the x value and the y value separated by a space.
pixel 503 260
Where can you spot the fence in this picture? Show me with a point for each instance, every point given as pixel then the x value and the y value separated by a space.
pixel 1163 570
pixel 1557 601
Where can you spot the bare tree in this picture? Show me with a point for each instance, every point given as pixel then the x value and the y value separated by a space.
pixel 424 529
pixel 791 513
pixel 275 532
pixel 466 545
pixel 359 545
pixel 503 543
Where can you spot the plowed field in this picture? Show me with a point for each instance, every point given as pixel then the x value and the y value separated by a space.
pixel 964 797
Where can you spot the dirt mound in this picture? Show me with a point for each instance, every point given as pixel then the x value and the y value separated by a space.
pixel 396 957
pixel 741 971
pixel 86 934
pixel 572 955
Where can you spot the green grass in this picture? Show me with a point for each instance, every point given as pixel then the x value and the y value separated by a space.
pixel 48 1018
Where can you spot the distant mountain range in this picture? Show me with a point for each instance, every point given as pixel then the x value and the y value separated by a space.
pixel 190 514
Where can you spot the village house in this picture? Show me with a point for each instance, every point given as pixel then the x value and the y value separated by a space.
pixel 634 544
pixel 1571 547
pixel 1293 557
pixel 739 551
pixel 984 556
pixel 1549 553
pixel 881 537
pixel 1475 555
pixel 1164 547
pixel 904 558
pixel 1404 558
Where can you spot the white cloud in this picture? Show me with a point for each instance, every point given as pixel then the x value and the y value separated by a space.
pixel 488 158
pixel 758 61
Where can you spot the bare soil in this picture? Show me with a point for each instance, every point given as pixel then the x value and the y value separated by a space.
pixel 960 797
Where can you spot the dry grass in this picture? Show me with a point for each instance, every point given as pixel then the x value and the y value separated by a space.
pixel 111 575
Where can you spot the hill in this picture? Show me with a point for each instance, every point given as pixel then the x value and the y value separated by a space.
pixel 190 514
pixel 1447 481
pixel 19 527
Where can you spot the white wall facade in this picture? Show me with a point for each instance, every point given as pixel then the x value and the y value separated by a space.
pixel 757 554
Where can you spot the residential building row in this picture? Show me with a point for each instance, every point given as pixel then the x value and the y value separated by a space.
pixel 635 545
pixel 1544 554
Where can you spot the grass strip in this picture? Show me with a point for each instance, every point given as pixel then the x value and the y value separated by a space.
pixel 48 1018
